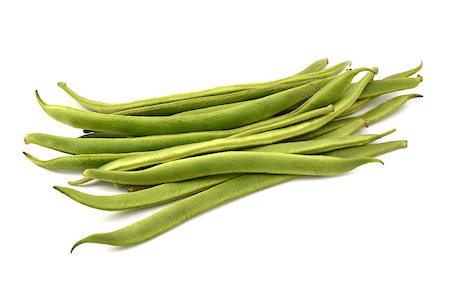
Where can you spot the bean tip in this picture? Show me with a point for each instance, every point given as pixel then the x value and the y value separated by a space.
pixel 366 122
pixel 62 84
pixel 420 78
pixel 39 99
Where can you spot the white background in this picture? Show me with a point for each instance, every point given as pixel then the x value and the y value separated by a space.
pixel 378 225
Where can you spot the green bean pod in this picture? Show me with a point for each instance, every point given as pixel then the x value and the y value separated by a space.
pixel 116 107
pixel 175 107
pixel 149 197
pixel 369 150
pixel 246 113
pixel 228 163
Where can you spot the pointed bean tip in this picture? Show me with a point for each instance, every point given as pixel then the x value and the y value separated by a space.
pixel 39 99
pixel 75 246
pixel 366 122
pixel 62 84
pixel 58 188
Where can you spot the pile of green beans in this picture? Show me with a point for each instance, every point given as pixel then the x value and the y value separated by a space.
pixel 197 150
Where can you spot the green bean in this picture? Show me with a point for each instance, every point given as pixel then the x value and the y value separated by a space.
pixel 379 112
pixel 171 108
pixel 110 108
pixel 246 113
pixel 120 145
pixel 318 146
pixel 368 150
pixel 149 197
pixel 223 144
pixel 154 142
pixel 407 73
pixel 228 163
pixel 76 162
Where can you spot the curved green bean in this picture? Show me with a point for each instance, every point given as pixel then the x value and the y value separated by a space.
pixel 246 113
pixel 369 150
pixel 149 197
pixel 228 163
pixel 115 107
pixel 171 108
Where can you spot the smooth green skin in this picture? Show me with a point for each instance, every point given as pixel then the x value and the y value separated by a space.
pixel 224 144
pixel 229 162
pixel 281 122
pixel 358 105
pixel 116 107
pixel 246 113
pixel 377 113
pixel 183 210
pixel 156 142
pixel 318 146
pixel 207 110
pixel 148 197
pixel 314 67
pixel 172 191
pixel 346 129
pixel 369 150
pixel 175 107
pixel 76 162
pixel 408 72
